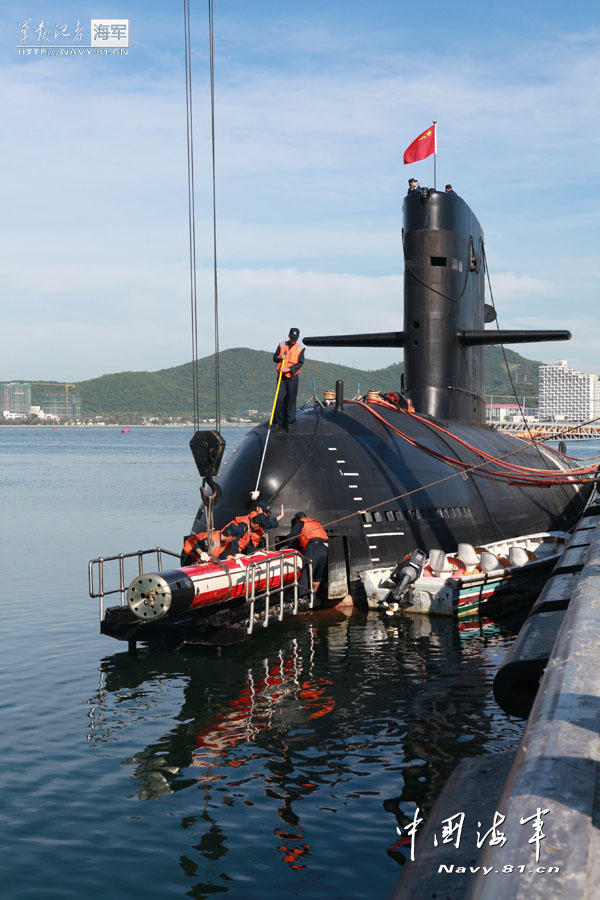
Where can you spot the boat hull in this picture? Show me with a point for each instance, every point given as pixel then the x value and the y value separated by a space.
pixel 503 589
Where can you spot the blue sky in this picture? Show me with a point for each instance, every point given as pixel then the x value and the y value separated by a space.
pixel 315 103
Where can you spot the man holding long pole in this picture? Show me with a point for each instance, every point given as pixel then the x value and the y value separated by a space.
pixel 289 357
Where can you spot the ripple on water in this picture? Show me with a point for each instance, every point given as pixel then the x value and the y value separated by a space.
pixel 281 767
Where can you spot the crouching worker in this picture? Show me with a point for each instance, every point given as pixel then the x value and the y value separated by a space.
pixel 244 534
pixel 311 539
pixel 198 549
pixel 253 525
pixel 228 541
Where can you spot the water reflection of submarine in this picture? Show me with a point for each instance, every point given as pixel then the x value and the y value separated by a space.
pixel 153 595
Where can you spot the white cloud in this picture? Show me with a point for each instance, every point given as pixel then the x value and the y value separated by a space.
pixel 509 287
pixel 309 192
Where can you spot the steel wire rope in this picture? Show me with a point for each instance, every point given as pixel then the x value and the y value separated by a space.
pixel 191 211
pixel 512 384
pixel 192 234
pixel 214 198
pixel 360 512
pixel 533 440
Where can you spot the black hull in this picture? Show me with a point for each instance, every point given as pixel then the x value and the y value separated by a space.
pixel 380 497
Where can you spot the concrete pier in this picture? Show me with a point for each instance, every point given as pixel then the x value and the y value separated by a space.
pixel 531 819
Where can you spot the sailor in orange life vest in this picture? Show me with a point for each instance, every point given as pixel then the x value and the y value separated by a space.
pixel 252 537
pixel 311 538
pixel 243 534
pixel 289 357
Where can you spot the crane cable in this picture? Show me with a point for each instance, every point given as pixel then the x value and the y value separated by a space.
pixel 214 204
pixel 191 211
pixel 192 215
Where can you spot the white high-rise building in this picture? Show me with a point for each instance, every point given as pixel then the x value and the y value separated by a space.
pixel 567 395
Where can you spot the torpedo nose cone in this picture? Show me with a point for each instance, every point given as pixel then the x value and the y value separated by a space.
pixel 149 597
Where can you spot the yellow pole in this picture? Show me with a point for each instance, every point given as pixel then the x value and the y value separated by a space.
pixel 256 493
pixel 276 395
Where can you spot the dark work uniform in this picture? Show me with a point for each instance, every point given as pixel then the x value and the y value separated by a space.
pixel 285 410
pixel 237 532
pixel 316 551
pixel 265 522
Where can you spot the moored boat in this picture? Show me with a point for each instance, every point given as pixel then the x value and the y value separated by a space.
pixel 506 573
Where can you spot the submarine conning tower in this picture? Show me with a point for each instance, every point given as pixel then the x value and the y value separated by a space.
pixel 444 296
pixel 444 310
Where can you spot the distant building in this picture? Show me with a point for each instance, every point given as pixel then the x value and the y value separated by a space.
pixel 39 412
pixel 55 404
pixel 508 412
pixel 566 395
pixel 15 397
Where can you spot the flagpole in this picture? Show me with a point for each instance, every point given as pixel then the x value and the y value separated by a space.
pixel 435 156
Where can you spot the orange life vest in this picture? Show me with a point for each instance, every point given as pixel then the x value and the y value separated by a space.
pixel 290 355
pixel 311 530
pixel 254 533
pixel 196 544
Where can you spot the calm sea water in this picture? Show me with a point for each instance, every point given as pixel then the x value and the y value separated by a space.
pixel 278 768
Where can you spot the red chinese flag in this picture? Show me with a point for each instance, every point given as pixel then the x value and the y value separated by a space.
pixel 421 147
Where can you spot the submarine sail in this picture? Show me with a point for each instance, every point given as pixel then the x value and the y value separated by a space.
pixel 420 469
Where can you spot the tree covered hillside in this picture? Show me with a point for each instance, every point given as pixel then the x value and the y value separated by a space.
pixel 248 383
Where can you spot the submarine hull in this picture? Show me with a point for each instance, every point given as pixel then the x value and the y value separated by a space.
pixel 380 494
pixel 385 479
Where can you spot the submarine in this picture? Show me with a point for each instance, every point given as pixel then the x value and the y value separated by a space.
pixel 416 467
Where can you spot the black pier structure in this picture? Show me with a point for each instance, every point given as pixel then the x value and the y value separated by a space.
pixel 551 678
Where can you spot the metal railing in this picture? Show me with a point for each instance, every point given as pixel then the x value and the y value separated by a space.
pixel 267 565
pixel 259 569
pixel 100 594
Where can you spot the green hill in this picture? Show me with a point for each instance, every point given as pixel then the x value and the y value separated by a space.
pixel 248 382
pixel 524 373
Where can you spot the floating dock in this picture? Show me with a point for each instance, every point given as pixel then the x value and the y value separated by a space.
pixel 525 823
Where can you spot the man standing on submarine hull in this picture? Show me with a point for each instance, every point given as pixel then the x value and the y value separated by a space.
pixel 289 357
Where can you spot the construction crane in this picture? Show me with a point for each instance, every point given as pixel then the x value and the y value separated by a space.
pixel 65 384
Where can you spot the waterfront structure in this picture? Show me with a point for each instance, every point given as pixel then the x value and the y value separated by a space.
pixel 567 395
pixel 16 398
pixel 508 412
